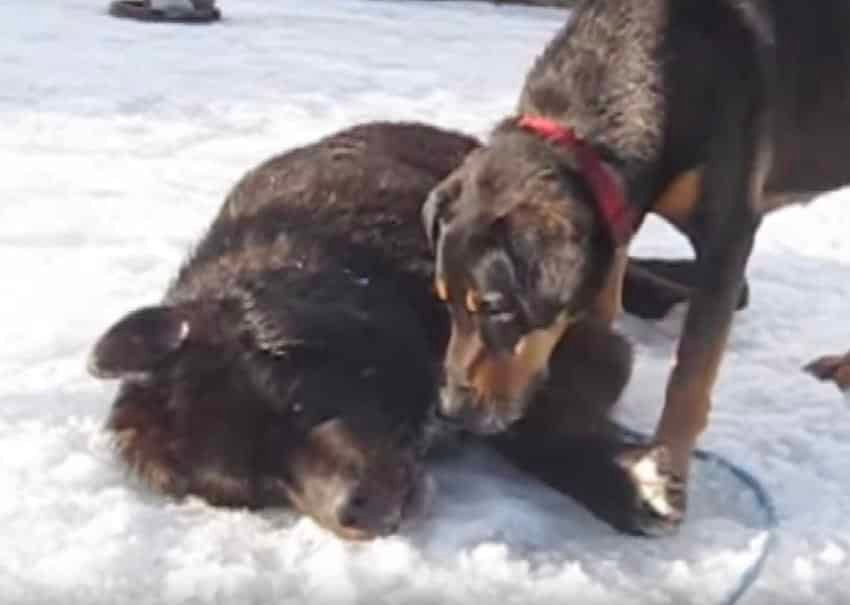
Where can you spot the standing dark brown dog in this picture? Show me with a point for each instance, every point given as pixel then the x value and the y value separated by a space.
pixel 710 113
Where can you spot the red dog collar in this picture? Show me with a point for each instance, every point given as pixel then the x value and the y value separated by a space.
pixel 617 214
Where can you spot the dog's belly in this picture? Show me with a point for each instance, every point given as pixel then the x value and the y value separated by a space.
pixel 811 159
pixel 810 98
pixel 813 155
pixel 773 200
pixel 678 201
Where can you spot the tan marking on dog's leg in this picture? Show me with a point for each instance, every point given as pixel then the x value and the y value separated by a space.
pixel 688 398
pixel 609 302
pixel 687 401
pixel 677 202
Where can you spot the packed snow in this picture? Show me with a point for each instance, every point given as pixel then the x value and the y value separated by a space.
pixel 118 142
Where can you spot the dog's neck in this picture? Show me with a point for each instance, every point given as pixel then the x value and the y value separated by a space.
pixel 608 188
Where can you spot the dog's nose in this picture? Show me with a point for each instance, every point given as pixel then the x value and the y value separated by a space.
pixel 459 407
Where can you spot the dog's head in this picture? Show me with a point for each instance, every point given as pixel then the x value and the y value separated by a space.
pixel 290 388
pixel 520 251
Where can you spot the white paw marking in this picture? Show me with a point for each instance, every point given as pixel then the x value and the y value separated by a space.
pixel 652 486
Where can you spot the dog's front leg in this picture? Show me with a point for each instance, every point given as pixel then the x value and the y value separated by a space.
pixel 724 226
pixel 700 351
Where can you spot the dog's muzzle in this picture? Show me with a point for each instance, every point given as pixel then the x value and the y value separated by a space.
pixel 461 406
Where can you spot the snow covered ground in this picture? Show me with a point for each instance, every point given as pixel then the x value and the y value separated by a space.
pixel 117 143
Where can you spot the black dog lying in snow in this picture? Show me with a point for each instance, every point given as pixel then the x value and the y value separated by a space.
pixel 293 361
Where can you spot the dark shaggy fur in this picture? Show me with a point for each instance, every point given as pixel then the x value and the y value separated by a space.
pixel 709 112
pixel 293 360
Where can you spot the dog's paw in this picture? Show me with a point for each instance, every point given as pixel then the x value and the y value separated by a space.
pixel 833 368
pixel 658 499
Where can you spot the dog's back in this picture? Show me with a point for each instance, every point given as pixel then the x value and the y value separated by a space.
pixel 356 194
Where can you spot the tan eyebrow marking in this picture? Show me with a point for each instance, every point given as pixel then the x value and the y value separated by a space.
pixel 441 290
pixel 472 303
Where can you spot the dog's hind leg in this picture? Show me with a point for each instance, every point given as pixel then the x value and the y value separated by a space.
pixel 653 286
pixel 738 162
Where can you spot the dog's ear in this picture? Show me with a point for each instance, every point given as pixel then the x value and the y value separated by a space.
pixel 138 342
pixel 436 207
